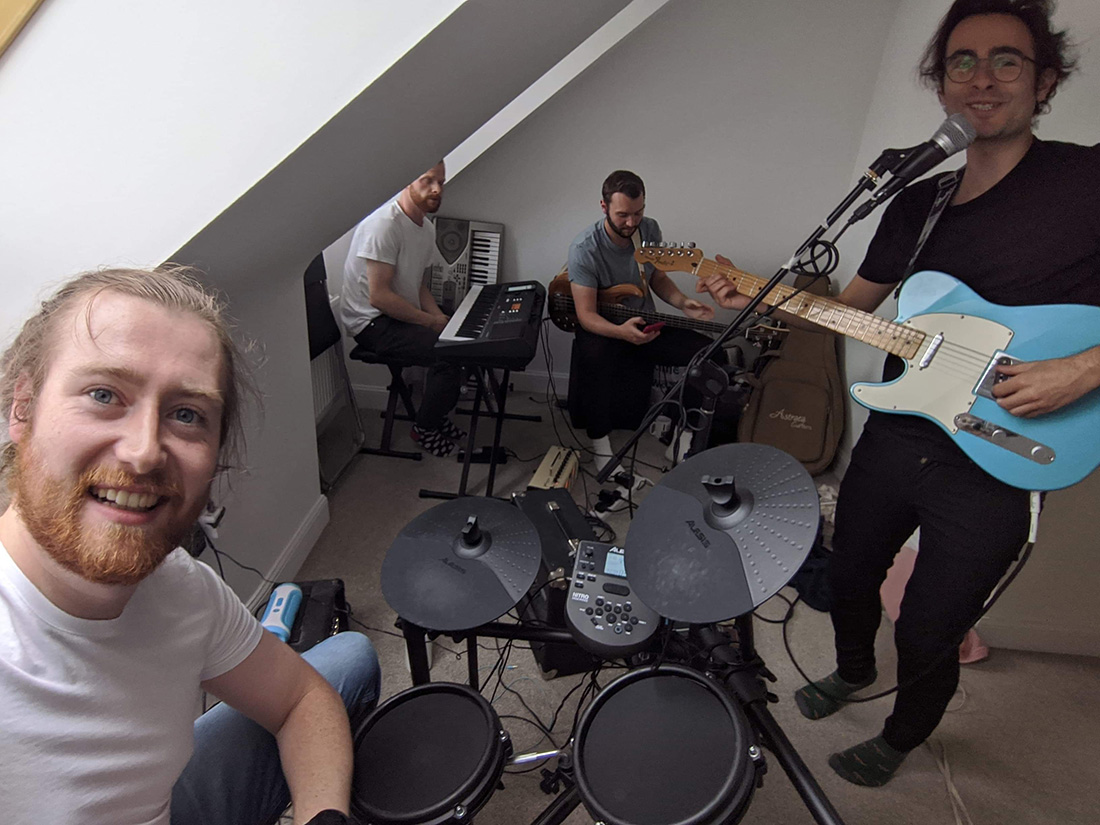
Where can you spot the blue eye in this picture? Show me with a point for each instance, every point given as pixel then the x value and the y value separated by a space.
pixel 188 416
pixel 102 396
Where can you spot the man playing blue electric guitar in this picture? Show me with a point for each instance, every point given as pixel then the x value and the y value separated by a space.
pixel 1021 228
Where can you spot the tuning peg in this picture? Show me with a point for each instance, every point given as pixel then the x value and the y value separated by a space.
pixel 691 245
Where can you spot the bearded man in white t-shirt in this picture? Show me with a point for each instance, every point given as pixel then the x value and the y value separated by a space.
pixel 386 305
pixel 122 401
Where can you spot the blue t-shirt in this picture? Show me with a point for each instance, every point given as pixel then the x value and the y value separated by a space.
pixel 596 262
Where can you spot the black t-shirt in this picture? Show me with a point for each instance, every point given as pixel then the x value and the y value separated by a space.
pixel 1034 238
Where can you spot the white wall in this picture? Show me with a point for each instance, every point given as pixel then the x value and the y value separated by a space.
pixel 128 126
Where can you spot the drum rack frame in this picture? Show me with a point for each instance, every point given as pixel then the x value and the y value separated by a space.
pixel 746 683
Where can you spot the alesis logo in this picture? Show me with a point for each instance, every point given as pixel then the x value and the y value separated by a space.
pixel 453 566
pixel 699 534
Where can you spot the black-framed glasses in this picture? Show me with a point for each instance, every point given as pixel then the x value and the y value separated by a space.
pixel 1004 66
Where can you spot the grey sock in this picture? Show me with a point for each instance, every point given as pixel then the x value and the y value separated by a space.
pixel 822 698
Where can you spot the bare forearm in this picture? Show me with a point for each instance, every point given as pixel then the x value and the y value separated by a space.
pixel 397 307
pixel 427 301
pixel 598 325
pixel 316 753
pixel 666 290
pixel 1088 364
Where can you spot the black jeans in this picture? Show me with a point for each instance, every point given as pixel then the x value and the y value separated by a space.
pixel 610 379
pixel 971 528
pixel 414 345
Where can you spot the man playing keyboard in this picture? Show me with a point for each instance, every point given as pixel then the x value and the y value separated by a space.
pixel 386 305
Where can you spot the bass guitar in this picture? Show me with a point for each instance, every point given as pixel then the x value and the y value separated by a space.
pixel 608 304
pixel 951 341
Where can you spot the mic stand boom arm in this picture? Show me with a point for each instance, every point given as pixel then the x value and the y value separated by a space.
pixel 866 182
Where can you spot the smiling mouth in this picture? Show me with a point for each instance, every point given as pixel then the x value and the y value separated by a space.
pixel 983 107
pixel 124 500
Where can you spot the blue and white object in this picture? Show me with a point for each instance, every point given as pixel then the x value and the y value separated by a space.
pixel 282 607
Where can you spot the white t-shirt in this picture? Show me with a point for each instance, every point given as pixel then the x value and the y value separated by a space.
pixel 97 717
pixel 390 236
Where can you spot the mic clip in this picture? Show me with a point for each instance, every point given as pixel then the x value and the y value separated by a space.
pixel 889 161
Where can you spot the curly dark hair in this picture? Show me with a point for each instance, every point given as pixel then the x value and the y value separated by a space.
pixel 623 181
pixel 1052 48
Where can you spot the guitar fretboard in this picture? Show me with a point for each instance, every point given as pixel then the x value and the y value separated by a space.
pixel 620 313
pixel 872 329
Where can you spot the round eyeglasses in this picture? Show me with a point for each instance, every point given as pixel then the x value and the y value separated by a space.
pixel 1005 67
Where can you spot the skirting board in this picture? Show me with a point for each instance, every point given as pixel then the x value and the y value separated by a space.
pixel 373 397
pixel 292 558
pixel 1041 638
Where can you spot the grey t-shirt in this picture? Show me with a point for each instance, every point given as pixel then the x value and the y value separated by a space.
pixel 596 262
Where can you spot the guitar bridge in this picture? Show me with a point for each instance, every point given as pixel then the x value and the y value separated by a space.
pixel 990 378
pixel 1005 438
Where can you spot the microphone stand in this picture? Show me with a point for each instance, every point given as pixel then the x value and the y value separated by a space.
pixel 887 161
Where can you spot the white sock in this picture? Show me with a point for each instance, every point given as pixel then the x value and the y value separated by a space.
pixel 601 448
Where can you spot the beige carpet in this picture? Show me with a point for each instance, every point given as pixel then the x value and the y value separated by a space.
pixel 1022 737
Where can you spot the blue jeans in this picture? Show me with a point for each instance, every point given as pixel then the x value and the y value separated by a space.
pixel 234 776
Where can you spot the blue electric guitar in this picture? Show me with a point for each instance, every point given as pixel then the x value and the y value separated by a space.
pixel 951 341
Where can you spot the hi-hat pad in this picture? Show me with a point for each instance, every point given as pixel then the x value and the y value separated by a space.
pixel 461 564
pixel 722 533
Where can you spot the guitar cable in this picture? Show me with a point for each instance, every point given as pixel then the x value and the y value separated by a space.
pixel 1035 507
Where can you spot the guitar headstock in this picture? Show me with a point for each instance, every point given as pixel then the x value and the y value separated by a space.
pixel 670 257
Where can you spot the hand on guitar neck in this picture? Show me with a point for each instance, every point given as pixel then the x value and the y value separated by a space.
pixel 725 294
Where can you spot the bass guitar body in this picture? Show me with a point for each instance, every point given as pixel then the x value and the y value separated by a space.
pixel 949 380
pixel 559 302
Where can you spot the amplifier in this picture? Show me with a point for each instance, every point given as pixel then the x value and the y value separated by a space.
pixel 324 612
pixel 558 521
pixel 558 469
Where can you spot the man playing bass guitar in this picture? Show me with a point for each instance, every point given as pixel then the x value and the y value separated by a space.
pixel 611 372
pixel 1021 228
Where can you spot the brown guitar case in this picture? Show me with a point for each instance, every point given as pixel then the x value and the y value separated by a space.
pixel 798 400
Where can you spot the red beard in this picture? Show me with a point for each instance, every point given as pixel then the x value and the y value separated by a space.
pixel 105 554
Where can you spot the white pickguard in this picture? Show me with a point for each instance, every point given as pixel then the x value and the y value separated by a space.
pixel 945 387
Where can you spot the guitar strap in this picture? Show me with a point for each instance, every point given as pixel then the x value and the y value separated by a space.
pixel 637 238
pixel 944 193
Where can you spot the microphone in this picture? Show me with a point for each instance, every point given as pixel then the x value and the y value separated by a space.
pixel 954 135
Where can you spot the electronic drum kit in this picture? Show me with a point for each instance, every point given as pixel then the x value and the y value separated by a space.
pixel 668 743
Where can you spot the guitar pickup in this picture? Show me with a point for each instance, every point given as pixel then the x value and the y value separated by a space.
pixel 1005 438
pixel 990 378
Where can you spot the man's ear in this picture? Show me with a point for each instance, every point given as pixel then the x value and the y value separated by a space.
pixel 1045 84
pixel 19 417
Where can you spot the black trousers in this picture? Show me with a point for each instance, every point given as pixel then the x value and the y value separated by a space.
pixel 971 529
pixel 414 344
pixel 610 380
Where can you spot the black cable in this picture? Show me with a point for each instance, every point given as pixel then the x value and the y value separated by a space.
pixel 953 649
pixel 218 553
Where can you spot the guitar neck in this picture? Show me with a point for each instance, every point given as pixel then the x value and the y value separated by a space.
pixel 620 313
pixel 867 327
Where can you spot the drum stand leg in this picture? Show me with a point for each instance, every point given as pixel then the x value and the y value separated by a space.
pixel 559 808
pixel 416 645
pixel 748 686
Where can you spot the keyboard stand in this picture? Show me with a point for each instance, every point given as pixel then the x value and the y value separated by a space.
pixel 500 391
pixel 507 416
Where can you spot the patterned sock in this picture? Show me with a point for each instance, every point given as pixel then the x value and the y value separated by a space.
pixel 869 763
pixel 451 430
pixel 822 698
pixel 433 441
